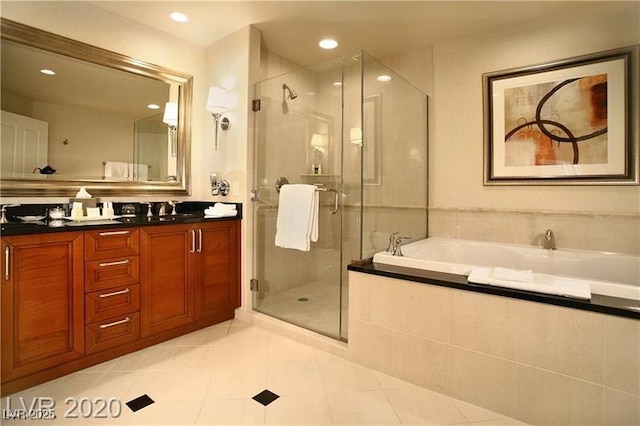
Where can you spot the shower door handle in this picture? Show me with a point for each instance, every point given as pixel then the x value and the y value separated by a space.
pixel 335 202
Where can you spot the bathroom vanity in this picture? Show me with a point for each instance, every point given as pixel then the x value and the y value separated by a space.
pixel 82 294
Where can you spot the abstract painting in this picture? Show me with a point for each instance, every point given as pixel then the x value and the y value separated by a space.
pixel 569 122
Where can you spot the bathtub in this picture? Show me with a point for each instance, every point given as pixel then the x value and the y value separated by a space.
pixel 609 274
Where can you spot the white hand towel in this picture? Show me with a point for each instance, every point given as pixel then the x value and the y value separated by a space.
pixel 541 283
pixel 297 222
pixel 116 170
pixel 523 276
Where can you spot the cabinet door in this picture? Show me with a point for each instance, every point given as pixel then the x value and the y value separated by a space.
pixel 42 302
pixel 217 268
pixel 166 290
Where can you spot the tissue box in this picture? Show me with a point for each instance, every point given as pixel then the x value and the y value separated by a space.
pixel 86 202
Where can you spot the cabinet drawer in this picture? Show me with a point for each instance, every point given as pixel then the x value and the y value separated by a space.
pixel 113 302
pixel 108 273
pixel 110 243
pixel 113 332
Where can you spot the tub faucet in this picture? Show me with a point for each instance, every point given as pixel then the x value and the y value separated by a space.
pixel 397 249
pixel 549 242
pixel 391 248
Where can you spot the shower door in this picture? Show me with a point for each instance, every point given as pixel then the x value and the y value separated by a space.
pixel 298 140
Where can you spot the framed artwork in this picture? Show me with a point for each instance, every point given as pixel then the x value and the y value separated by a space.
pixel 570 122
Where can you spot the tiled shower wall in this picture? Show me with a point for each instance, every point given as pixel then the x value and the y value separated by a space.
pixel 395 184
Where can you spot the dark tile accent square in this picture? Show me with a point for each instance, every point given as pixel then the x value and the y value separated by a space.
pixel 266 397
pixel 140 402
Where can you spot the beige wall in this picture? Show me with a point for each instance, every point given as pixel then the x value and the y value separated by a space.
pixel 592 217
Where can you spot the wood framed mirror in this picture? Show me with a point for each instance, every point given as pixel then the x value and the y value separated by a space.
pixel 89 124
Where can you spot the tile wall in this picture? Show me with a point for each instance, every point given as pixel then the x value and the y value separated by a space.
pixel 602 231
pixel 538 363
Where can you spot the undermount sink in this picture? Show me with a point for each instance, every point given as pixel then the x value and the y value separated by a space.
pixel 179 215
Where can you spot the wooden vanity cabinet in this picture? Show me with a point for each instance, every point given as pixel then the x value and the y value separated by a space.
pixel 73 299
pixel 217 268
pixel 167 295
pixel 112 289
pixel 188 273
pixel 42 302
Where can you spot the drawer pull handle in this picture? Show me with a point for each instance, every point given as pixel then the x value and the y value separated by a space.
pixel 115 293
pixel 113 324
pixel 7 270
pixel 119 262
pixel 108 233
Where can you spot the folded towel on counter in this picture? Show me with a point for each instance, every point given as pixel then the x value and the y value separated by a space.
pixel 540 283
pixel 297 221
pixel 221 210
pixel 222 206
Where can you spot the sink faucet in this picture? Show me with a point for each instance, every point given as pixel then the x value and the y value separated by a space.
pixel 549 242
pixel 3 216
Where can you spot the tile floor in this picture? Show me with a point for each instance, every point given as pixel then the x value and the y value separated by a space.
pixel 210 377
pixel 319 309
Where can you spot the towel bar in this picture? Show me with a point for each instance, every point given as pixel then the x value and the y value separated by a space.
pixel 319 187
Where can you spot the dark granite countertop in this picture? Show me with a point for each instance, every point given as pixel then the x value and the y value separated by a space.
pixel 598 303
pixel 187 212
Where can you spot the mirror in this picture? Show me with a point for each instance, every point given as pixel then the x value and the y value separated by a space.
pixel 89 124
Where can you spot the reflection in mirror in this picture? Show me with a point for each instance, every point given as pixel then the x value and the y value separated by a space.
pixel 95 118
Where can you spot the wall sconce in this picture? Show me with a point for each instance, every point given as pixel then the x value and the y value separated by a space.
pixel 319 141
pixel 217 104
pixel 355 136
pixel 170 118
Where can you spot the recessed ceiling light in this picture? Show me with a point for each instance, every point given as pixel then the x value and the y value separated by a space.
pixel 328 43
pixel 153 106
pixel 337 83
pixel 384 78
pixel 179 17
pixel 48 72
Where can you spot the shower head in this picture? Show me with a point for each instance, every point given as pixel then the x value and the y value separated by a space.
pixel 292 93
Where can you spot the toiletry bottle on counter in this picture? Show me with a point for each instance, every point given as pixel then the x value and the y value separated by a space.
pixel 76 211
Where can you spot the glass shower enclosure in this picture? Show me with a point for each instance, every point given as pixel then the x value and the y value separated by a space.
pixel 358 132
